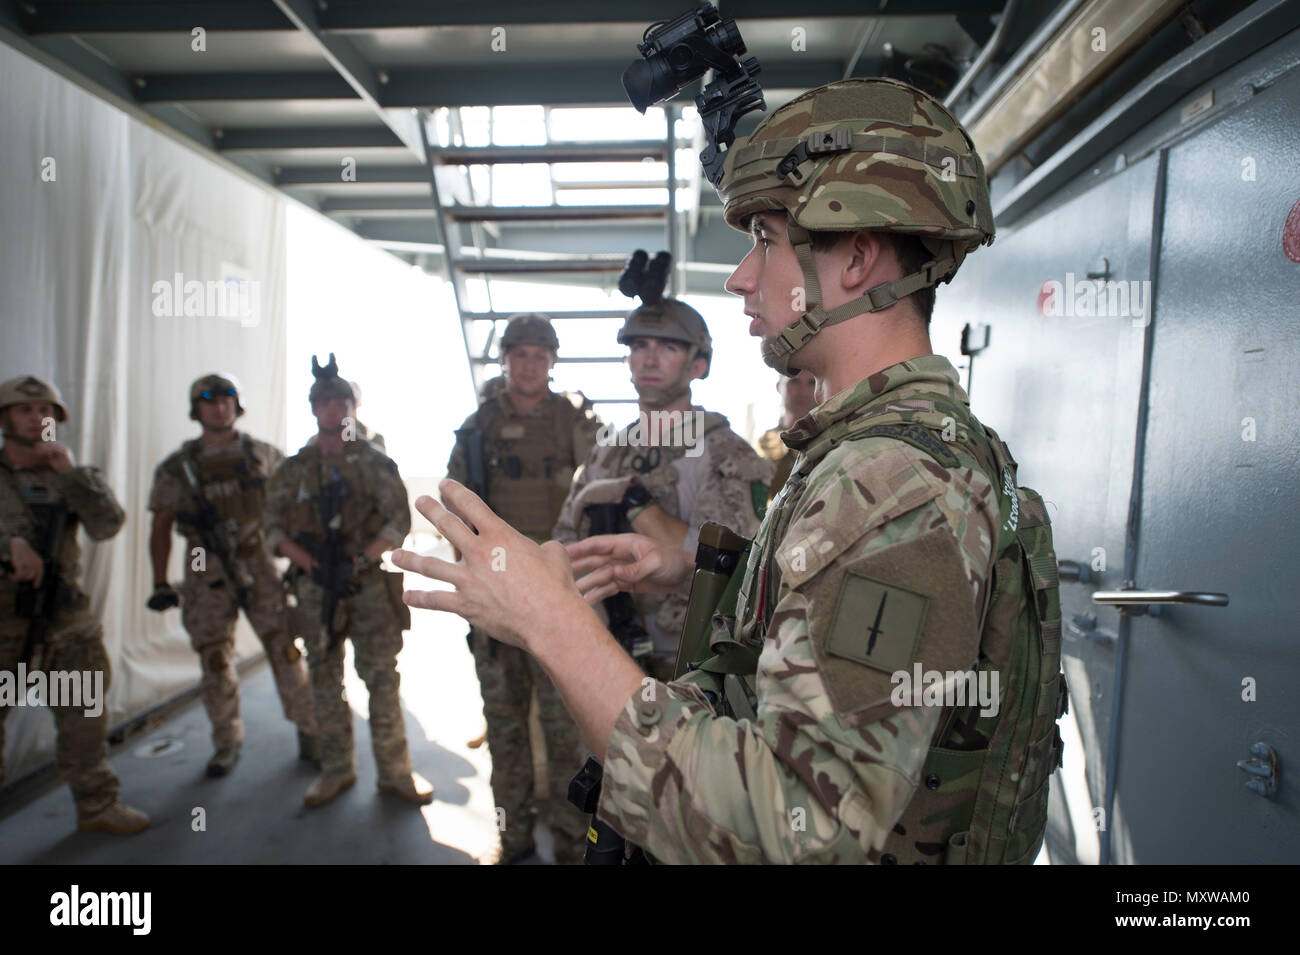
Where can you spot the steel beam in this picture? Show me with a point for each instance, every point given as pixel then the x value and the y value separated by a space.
pixel 355 71
pixel 554 316
pixel 633 151
pixel 361 15
pixel 132 16
pixel 315 137
pixel 366 173
pixel 186 87
pixel 551 213
pixel 534 266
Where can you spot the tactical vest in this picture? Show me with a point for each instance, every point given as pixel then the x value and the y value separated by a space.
pixel 529 464
pixel 984 784
pixel 362 519
pixel 233 482
pixel 37 494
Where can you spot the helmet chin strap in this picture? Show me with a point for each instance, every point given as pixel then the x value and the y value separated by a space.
pixel 780 349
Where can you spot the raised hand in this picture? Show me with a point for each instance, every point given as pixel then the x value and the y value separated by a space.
pixel 504 583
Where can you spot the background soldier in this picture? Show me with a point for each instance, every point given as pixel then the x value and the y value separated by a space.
pixel 43 498
pixel 876 560
pixel 520 450
pixel 359 429
pixel 214 489
pixel 796 401
pixel 658 485
pixel 333 509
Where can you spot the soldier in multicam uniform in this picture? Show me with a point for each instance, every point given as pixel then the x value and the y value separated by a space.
pixel 38 478
pixel 520 450
pixel 668 481
pixel 226 471
pixel 361 430
pixel 878 556
pixel 796 401
pixel 370 515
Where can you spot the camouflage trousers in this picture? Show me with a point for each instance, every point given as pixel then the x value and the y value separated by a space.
pixel 209 613
pixel 507 677
pixel 367 619
pixel 81 754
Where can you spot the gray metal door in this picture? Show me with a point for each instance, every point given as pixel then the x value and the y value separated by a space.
pixel 1060 381
pixel 1218 507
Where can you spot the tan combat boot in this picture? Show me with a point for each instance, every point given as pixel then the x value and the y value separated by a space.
pixel 328 787
pixel 309 748
pixel 223 761
pixel 410 786
pixel 119 819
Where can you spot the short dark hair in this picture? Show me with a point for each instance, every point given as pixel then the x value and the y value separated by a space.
pixel 911 255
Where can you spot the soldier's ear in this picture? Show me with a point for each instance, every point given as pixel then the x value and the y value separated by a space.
pixel 858 259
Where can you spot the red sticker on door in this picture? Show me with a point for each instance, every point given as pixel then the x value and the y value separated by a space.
pixel 1291 233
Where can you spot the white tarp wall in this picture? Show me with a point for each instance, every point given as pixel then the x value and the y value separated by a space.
pixel 120 208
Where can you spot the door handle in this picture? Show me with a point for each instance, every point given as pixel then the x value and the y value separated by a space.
pixel 1131 600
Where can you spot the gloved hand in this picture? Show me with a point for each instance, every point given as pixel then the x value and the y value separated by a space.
pixel 333 577
pixel 164 598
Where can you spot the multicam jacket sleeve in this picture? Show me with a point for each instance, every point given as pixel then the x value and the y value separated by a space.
pixel 828 765
pixel 93 501
pixel 280 492
pixel 392 502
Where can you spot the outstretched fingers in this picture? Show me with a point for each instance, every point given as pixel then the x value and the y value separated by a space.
pixel 469 506
pixel 432 567
pixel 447 601
pixel 446 523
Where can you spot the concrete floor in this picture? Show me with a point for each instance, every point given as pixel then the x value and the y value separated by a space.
pixel 256 814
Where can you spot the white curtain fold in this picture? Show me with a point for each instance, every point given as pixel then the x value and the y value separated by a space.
pixel 127 208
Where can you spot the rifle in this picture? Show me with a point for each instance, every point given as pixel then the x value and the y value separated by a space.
pixel 213 532
pixel 40 603
pixel 475 459
pixel 333 570
pixel 624 619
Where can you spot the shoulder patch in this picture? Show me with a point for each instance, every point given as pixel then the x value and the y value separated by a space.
pixel 894 609
pixel 876 623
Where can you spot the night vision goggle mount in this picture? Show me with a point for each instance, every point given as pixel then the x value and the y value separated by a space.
pixel 680 51
pixel 644 278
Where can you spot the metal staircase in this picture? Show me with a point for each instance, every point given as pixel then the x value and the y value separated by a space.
pixel 462 223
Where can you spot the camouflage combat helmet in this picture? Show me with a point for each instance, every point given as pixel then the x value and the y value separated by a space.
pixel 25 388
pixel 672 319
pixel 328 384
pixel 212 386
pixel 532 328
pixel 676 321
pixel 860 154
